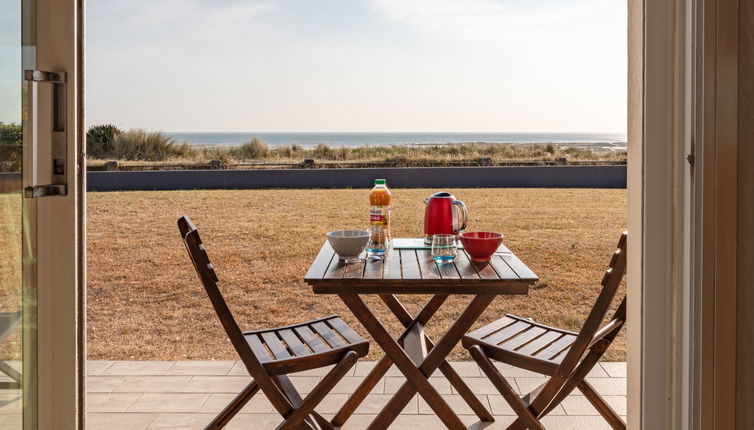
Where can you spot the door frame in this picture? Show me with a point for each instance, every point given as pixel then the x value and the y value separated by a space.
pixel 682 213
pixel 55 230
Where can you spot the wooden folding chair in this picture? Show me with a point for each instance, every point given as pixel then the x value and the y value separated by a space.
pixel 8 323
pixel 566 357
pixel 270 354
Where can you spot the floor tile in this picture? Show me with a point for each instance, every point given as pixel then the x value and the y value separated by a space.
pixel 110 402
pixel 393 383
pixel 501 407
pixel 579 405
pixel 349 384
pixel 257 405
pixel 374 403
pixel 181 421
pixel 96 367
pixel 456 403
pixel 144 368
pixel 238 369
pixel 609 386
pixel 169 402
pixel 103 384
pixel 99 421
pixel 479 385
pixel 216 384
pixel 152 384
pixel 304 384
pixel 614 369
pixel 197 368
pixel 364 367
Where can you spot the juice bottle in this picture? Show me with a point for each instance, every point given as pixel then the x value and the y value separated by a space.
pixel 379 212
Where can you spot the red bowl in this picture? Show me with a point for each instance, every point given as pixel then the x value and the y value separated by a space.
pixel 480 245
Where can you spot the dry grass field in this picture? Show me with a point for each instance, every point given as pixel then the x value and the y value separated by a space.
pixel 145 302
pixel 10 268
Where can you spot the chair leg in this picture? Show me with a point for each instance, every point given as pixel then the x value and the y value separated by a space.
pixel 505 388
pixel 11 372
pixel 319 392
pixel 607 412
pixel 289 391
pixel 222 419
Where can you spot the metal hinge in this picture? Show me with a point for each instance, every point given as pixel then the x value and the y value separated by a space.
pixel 690 158
pixel 44 191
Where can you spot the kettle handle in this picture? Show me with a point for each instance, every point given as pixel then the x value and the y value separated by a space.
pixel 464 217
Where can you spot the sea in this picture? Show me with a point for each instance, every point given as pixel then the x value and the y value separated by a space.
pixel 607 141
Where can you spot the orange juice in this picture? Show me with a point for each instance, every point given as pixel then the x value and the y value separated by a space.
pixel 380 200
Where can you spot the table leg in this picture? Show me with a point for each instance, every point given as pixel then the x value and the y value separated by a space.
pixel 374 376
pixel 455 380
pixel 436 356
pixel 414 376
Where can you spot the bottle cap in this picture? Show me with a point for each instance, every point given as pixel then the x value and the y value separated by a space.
pixel 380 182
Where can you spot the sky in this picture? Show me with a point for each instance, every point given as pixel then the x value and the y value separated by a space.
pixel 358 65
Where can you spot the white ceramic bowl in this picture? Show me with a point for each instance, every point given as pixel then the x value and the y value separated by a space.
pixel 348 244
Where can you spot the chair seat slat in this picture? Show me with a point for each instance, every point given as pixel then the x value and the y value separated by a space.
pixel 294 343
pixel 257 348
pixel 328 334
pixel 491 327
pixel 532 333
pixel 506 333
pixel 311 339
pixel 539 343
pixel 344 330
pixel 275 346
pixel 555 347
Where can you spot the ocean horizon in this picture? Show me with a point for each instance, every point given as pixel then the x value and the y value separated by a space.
pixel 311 139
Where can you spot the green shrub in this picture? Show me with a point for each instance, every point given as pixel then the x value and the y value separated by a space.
pixel 254 149
pixel 99 140
pixel 11 134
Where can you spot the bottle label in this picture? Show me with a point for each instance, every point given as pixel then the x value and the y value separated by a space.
pixel 379 215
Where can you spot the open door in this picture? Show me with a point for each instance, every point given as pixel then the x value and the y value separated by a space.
pixel 41 213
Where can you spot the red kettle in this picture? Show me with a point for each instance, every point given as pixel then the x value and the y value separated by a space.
pixel 443 215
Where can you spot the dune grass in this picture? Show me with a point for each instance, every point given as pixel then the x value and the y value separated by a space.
pixel 106 142
pixel 145 302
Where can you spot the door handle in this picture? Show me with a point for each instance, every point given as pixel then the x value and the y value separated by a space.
pixel 58 139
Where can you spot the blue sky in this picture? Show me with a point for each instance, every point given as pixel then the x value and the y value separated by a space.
pixel 357 65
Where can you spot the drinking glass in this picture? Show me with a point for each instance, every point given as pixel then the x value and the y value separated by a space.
pixel 444 247
pixel 378 242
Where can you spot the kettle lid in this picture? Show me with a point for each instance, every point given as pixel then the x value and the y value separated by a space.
pixel 442 195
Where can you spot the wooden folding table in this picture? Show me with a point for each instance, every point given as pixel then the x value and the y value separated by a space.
pixel 413 271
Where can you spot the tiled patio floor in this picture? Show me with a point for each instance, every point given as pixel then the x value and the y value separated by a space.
pixel 188 394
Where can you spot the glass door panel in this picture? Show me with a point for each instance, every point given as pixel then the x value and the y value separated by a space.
pixel 13 55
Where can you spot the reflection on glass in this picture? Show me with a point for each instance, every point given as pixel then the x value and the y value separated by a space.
pixel 11 139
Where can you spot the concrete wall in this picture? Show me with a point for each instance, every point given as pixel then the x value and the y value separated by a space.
pixel 745 227
pixel 472 177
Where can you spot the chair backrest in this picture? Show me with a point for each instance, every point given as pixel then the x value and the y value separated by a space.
pixel 209 279
pixel 590 331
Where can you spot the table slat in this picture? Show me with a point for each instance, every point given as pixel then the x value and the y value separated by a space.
pixel 321 262
pixel 521 269
pixel 429 269
pixel 464 267
pixel 502 268
pixel 373 268
pixel 335 269
pixel 485 270
pixel 409 264
pixel 354 270
pixel 391 267
pixel 448 270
